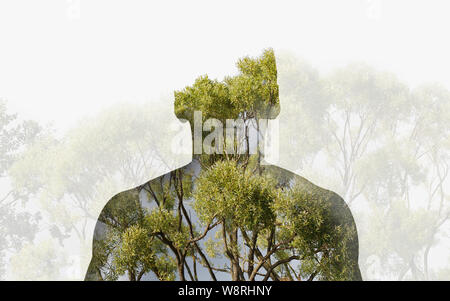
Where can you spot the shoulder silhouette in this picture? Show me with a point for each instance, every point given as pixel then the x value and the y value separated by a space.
pixel 226 215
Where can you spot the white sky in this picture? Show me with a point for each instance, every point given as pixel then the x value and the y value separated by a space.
pixel 56 65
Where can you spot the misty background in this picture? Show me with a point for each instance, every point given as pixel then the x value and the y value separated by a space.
pixel 86 111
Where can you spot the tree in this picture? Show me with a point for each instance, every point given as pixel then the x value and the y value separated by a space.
pixel 69 176
pixel 17 226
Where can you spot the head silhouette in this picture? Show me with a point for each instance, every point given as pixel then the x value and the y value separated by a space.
pixel 253 93
pixel 237 107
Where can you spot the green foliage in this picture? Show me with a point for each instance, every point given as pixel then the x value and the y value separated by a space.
pixel 138 254
pixel 208 96
pixel 127 245
pixel 253 92
pixel 313 226
pixel 255 89
pixel 167 222
pixel 228 193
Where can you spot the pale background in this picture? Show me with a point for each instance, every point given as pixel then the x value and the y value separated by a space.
pixel 64 63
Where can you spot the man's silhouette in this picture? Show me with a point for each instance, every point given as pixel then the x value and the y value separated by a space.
pixel 312 226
